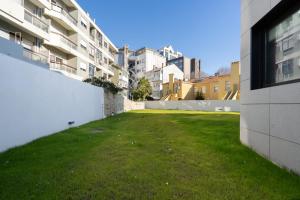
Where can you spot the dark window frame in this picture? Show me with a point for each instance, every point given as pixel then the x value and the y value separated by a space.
pixel 260 76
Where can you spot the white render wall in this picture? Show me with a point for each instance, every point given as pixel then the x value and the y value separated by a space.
pixel 36 102
pixel 171 69
pixel 270 117
pixel 205 105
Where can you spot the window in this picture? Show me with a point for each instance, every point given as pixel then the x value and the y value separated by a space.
pixel 92 50
pixel 91 70
pixel 83 45
pixel 83 66
pixel 105 60
pixel 203 89
pixel 275 47
pixel 83 23
pixel 227 86
pixel 216 88
pixel 105 44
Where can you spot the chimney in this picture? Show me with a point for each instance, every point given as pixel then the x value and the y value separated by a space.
pixel 171 83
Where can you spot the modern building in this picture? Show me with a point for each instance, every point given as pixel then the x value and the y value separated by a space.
pixel 270 80
pixel 59 33
pixel 169 53
pixel 190 67
pixel 218 87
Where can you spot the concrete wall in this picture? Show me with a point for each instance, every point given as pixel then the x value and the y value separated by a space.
pixel 132 105
pixel 194 105
pixel 114 104
pixel 36 102
pixel 270 117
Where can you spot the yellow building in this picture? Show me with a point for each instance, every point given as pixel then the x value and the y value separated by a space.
pixel 219 87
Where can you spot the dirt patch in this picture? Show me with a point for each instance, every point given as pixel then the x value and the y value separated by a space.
pixel 96 130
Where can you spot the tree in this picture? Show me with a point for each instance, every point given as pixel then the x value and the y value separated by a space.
pixel 142 91
pixel 223 71
pixel 200 96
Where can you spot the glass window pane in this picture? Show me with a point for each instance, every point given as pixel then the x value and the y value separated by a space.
pixel 283 50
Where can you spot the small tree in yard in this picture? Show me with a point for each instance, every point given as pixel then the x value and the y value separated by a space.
pixel 142 91
pixel 200 96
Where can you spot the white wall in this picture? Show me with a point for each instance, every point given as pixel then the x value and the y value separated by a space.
pixel 171 69
pixel 270 117
pixel 36 102
pixel 207 105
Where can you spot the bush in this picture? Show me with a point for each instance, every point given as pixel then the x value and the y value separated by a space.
pixel 142 91
pixel 101 82
pixel 200 96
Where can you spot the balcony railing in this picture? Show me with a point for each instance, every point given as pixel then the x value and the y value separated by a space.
pixel 64 67
pixel 35 56
pixel 31 18
pixel 65 40
pixel 61 10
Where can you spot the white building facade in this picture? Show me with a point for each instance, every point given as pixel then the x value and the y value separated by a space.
pixel 59 33
pixel 149 63
pixel 161 75
pixel 143 63
pixel 270 80
pixel 169 53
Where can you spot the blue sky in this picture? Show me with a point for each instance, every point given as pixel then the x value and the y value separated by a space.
pixel 205 29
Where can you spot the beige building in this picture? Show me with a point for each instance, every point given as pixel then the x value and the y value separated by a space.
pixel 59 33
pixel 218 87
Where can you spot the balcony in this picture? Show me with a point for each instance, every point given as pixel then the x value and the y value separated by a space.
pixel 63 67
pixel 60 10
pixel 61 42
pixel 62 17
pixel 31 55
pixel 37 22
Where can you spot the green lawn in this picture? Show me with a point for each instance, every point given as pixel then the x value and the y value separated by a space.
pixel 147 154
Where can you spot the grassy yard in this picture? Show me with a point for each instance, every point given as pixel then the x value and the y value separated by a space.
pixel 147 154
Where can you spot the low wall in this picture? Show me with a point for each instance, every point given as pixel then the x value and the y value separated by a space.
pixel 36 102
pixel 206 105
pixel 132 105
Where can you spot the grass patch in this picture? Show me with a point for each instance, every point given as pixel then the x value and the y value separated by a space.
pixel 150 154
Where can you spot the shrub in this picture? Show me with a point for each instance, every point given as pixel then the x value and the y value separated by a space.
pixel 101 82
pixel 200 96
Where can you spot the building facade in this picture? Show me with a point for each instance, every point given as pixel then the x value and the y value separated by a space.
pixel 219 87
pixel 190 67
pixel 159 76
pixel 270 74
pixel 147 63
pixel 169 53
pixel 121 59
pixel 59 33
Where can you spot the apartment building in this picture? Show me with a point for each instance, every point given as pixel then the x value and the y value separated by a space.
pixel 270 75
pixel 146 62
pixel 59 33
pixel 190 67
pixel 218 87
pixel 169 53
pixel 121 59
